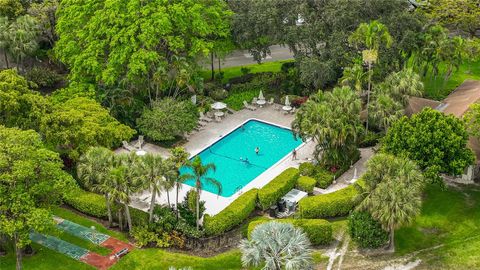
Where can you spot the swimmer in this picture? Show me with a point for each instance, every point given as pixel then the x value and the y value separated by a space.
pixel 257 150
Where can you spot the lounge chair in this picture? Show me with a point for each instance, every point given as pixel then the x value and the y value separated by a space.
pixel 248 107
pixel 200 123
pixel 128 146
pixel 198 128
pixel 254 101
pixel 205 118
pixel 231 111
pixel 276 107
pixel 218 119
pixel 140 142
pixel 292 111
pixel 270 102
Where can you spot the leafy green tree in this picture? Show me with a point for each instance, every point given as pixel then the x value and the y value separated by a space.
pixel 73 90
pixel 463 15
pixel 19 105
pixel 393 191
pixel 11 9
pixel 167 119
pixel 150 41
pixel 332 119
pixel 199 173
pixel 279 246
pixel 31 180
pixel 93 170
pixel 370 37
pixel 432 139
pixel 354 77
pixel 472 118
pixel 44 12
pixel 80 123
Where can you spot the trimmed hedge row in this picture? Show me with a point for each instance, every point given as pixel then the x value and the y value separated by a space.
pixel 93 204
pixel 306 183
pixel 338 203
pixel 319 231
pixel 278 187
pixel 233 215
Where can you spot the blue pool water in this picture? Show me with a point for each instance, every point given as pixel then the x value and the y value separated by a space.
pixel 274 143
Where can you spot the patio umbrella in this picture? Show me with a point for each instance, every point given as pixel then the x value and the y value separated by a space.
pixel 219 105
pixel 260 96
pixel 287 102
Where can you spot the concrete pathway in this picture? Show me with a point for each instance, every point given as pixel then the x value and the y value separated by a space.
pixel 345 180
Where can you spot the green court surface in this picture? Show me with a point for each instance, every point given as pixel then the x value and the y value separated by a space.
pixel 59 245
pixel 82 232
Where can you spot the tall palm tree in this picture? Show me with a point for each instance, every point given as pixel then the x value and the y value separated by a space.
pixel 94 169
pixel 199 173
pixel 22 37
pixel 402 85
pixel 393 191
pixel 170 178
pixel 354 77
pixel 152 170
pixel 279 246
pixel 385 110
pixel 179 157
pixel 370 37
pixel 4 38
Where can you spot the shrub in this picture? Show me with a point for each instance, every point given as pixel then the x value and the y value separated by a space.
pixel 143 237
pixel 366 231
pixel 335 204
pixel 319 231
pixel 93 204
pixel 306 169
pixel 306 184
pixel 43 77
pixel 370 139
pixel 323 177
pixel 233 215
pixel 278 187
pixel 218 94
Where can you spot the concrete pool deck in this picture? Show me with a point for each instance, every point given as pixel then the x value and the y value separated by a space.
pixel 212 132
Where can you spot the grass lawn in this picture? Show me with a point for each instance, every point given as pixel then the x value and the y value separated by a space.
pixel 438 89
pixel 232 72
pixel 449 220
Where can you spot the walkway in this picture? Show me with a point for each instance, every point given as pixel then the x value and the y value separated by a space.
pixel 344 180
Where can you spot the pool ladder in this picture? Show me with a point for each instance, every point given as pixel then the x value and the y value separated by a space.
pixel 238 189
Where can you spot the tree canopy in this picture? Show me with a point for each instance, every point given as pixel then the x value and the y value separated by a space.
pixel 31 179
pixel 462 15
pixel 168 118
pixel 79 123
pixel 19 105
pixel 332 119
pixel 432 139
pixel 136 43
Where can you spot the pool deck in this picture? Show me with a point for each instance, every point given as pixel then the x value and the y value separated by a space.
pixel 212 132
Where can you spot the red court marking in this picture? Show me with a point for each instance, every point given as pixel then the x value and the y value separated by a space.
pixel 104 262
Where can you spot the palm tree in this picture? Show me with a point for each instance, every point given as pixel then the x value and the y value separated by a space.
pixel 402 85
pixel 179 157
pixel 354 77
pixel 279 246
pixel 393 191
pixel 199 174
pixel 94 169
pixel 152 170
pixel 22 37
pixel 370 36
pixel 4 38
pixel 171 176
pixel 385 110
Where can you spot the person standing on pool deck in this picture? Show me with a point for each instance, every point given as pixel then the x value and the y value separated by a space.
pixel 294 154
pixel 257 150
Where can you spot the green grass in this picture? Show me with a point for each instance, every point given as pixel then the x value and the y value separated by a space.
pixel 438 89
pixel 232 72
pixel 448 218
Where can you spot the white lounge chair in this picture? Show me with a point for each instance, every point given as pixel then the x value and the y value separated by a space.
pixel 128 146
pixel 200 123
pixel 270 102
pixel 292 111
pixel 140 142
pixel 276 107
pixel 254 101
pixel 205 118
pixel 218 119
pixel 248 107
pixel 198 128
pixel 230 110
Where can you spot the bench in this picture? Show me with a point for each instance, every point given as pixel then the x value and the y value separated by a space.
pixel 121 253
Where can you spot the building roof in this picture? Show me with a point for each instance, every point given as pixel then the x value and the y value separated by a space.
pixel 416 104
pixel 458 102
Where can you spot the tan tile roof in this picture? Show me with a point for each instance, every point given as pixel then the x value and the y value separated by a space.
pixel 458 102
pixel 416 104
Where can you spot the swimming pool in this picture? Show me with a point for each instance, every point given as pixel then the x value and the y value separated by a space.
pixel 274 143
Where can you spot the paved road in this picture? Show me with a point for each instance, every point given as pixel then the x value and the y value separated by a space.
pixel 241 57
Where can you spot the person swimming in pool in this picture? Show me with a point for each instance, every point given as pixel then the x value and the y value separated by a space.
pixel 257 150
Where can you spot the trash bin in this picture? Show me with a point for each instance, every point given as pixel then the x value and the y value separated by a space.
pixel 273 211
pixel 282 205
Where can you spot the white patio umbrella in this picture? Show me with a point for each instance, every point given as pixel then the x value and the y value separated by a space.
pixel 287 102
pixel 219 105
pixel 260 96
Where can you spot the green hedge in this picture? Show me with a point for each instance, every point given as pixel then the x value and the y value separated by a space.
pixel 324 178
pixel 233 215
pixel 307 169
pixel 93 204
pixel 335 204
pixel 319 231
pixel 306 183
pixel 277 188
